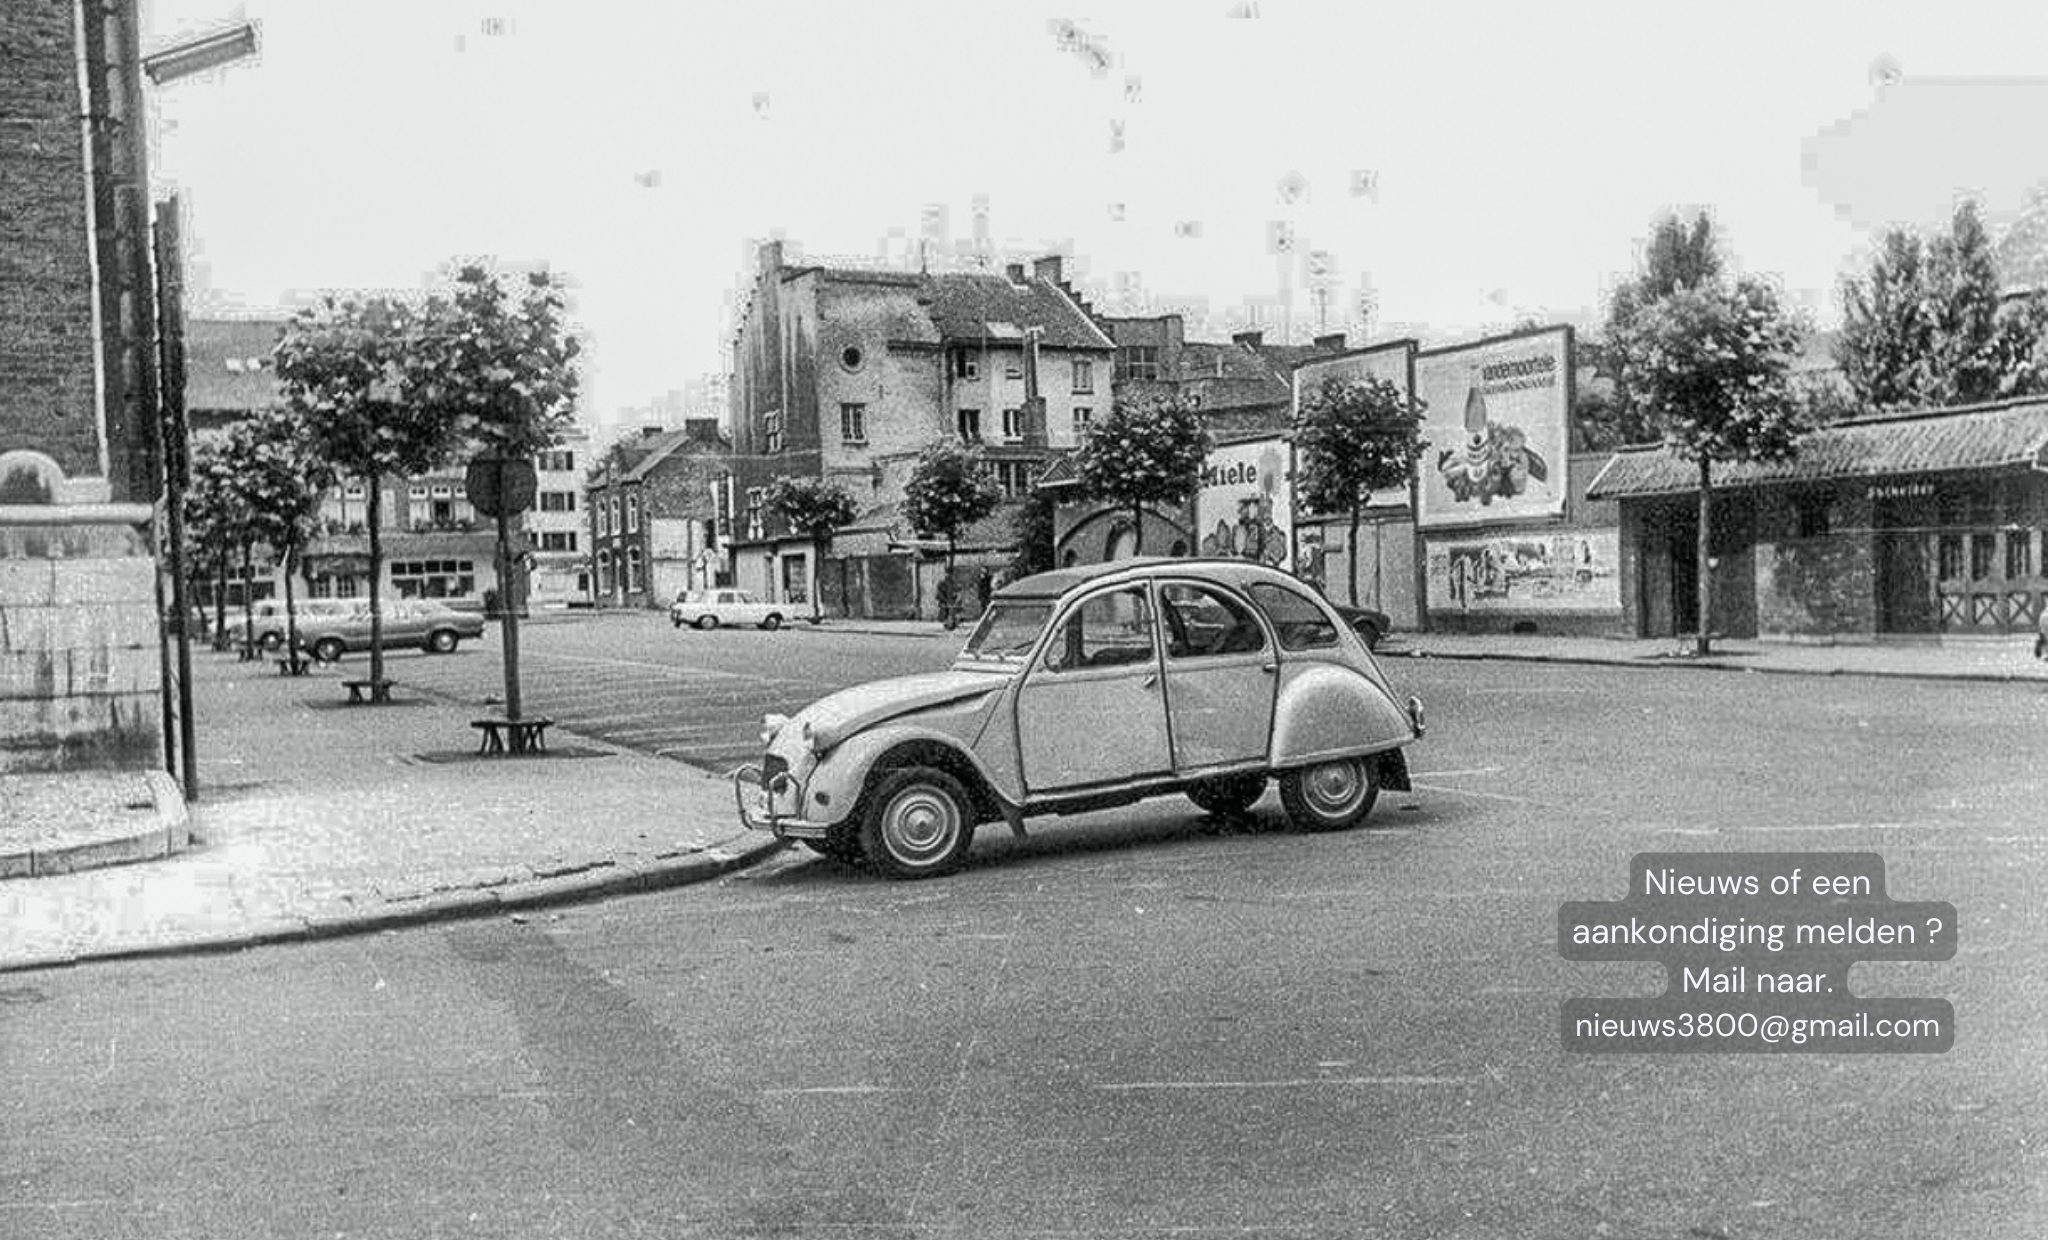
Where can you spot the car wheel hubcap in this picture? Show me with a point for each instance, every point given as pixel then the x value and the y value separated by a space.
pixel 920 825
pixel 1335 788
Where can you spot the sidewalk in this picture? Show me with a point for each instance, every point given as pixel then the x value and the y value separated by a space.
pixel 316 818
pixel 1966 659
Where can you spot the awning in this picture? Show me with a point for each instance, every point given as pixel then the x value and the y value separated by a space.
pixel 1978 437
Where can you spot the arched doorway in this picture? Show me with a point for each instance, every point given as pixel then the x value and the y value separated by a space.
pixel 1123 544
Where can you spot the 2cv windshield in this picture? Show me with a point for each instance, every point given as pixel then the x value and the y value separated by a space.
pixel 1008 631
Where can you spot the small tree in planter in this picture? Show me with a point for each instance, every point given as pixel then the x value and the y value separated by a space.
pixel 819 508
pixel 948 491
pixel 219 493
pixel 501 377
pixel 1144 453
pixel 1354 437
pixel 212 527
pixel 1714 363
pixel 282 477
pixel 341 365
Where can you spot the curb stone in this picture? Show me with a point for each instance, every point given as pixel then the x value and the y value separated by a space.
pixel 1710 664
pixel 599 881
pixel 169 829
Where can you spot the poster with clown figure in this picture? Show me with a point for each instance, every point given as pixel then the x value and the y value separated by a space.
pixel 1496 423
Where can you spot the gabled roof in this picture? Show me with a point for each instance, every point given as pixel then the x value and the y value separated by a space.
pixel 972 306
pixel 228 365
pixel 2013 433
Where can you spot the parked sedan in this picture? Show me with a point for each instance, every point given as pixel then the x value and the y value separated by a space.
pixel 707 609
pixel 1091 687
pixel 1370 624
pixel 269 617
pixel 407 622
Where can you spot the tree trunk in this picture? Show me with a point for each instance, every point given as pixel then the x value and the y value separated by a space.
pixel 817 581
pixel 1706 561
pixel 1352 553
pixel 248 601
pixel 1137 530
pixel 376 595
pixel 220 600
pixel 508 614
pixel 949 611
pixel 291 610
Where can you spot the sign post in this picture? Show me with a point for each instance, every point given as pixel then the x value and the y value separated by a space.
pixel 503 487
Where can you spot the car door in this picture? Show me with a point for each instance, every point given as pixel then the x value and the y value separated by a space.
pixel 1221 675
pixel 1090 710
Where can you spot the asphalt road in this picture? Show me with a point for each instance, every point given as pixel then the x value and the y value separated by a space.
pixel 635 680
pixel 1134 1024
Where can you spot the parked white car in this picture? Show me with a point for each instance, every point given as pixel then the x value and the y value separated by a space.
pixel 707 609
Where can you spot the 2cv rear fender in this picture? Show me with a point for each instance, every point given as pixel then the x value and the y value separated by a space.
pixel 1327 710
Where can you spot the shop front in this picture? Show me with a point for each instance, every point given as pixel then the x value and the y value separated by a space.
pixel 1921 525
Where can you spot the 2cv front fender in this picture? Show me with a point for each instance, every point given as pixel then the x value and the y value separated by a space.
pixel 836 782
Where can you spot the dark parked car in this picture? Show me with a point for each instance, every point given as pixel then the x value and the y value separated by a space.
pixel 1367 623
pixel 407 622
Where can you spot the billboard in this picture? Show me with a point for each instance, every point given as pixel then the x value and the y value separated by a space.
pixel 1393 362
pixel 1496 425
pixel 1245 507
pixel 1569 570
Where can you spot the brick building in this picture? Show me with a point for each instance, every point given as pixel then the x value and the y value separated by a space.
pixel 650 519
pixel 849 374
pixel 80 685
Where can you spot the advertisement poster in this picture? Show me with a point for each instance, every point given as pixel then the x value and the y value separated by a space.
pixel 1393 362
pixel 1244 509
pixel 1496 426
pixel 1572 570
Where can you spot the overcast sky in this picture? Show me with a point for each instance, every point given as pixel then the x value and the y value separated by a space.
pixel 1516 152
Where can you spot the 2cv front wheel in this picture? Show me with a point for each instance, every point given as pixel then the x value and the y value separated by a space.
pixel 1330 796
pixel 918 822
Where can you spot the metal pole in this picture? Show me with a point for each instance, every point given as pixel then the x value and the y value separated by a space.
pixel 176 454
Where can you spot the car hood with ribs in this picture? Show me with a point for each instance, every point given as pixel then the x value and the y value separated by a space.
pixel 848 711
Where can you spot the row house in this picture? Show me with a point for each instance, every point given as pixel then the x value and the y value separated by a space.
pixel 436 545
pixel 650 514
pixel 1243 389
pixel 849 374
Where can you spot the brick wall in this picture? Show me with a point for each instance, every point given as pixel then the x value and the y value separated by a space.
pixel 48 394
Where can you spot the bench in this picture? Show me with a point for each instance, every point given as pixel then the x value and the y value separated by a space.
pixel 294 666
pixel 512 735
pixel 367 690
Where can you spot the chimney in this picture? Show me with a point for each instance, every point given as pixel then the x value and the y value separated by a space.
pixel 1015 271
pixel 1176 333
pixel 1047 268
pixel 769 256
pixel 1250 340
pixel 1334 342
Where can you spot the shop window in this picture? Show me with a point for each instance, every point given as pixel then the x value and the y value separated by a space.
pixel 434 578
pixel 1949 554
pixel 1983 555
pixel 2019 554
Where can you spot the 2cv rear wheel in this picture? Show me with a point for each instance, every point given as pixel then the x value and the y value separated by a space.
pixel 917 822
pixel 1330 796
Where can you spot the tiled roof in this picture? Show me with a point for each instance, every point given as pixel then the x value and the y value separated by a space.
pixel 971 306
pixel 1977 437
pixel 228 364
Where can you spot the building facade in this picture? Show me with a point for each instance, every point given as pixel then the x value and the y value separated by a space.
pixel 1924 525
pixel 848 375
pixel 80 462
pixel 650 519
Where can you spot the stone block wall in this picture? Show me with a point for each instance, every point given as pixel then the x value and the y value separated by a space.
pixel 80 676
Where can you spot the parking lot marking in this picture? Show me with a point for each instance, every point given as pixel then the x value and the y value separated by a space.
pixel 1474 792
pixel 1293 1083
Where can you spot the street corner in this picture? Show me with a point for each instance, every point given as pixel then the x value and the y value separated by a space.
pixel 62 823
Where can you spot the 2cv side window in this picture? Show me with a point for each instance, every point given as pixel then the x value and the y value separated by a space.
pixel 1201 622
pixel 1299 623
pixel 1109 630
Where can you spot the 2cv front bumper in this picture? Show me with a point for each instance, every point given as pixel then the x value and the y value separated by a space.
pixel 755 795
